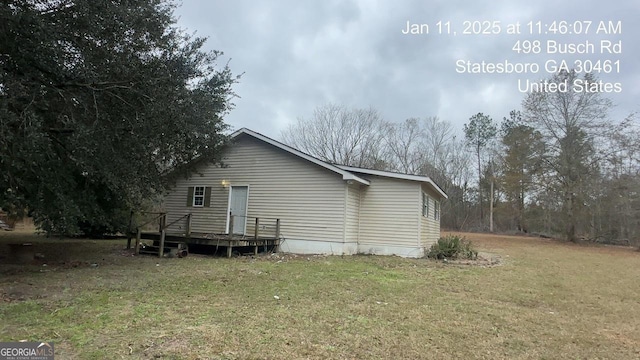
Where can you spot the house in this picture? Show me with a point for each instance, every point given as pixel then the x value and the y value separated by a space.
pixel 322 208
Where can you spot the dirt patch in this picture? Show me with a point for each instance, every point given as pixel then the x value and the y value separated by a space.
pixel 49 266
pixel 484 259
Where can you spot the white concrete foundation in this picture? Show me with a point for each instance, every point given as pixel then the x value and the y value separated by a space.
pixel 296 246
pixel 402 251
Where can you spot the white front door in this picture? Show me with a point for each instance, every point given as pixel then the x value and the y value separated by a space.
pixel 238 208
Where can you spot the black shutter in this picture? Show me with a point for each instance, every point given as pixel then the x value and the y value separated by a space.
pixel 207 196
pixel 190 197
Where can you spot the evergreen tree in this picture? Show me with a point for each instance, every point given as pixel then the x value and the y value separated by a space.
pixel 101 103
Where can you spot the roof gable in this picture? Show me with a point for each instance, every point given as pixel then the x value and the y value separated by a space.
pixel 346 175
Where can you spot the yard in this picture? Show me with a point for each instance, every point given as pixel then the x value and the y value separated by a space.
pixel 544 300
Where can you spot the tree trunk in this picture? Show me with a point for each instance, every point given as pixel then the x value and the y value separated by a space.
pixel 491 207
pixel 521 193
pixel 480 186
pixel 571 221
pixel 521 223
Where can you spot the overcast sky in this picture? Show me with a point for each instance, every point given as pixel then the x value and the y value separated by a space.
pixel 297 55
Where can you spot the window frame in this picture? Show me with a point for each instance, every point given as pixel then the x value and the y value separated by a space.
pixel 436 210
pixel 425 204
pixel 201 196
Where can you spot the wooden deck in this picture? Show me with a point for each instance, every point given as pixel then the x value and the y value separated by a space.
pixel 218 240
pixel 164 240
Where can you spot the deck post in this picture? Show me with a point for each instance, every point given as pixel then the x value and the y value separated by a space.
pixel 189 225
pixel 161 249
pixel 138 236
pixel 162 220
pixel 230 235
pixel 129 230
pixel 277 242
pixel 256 231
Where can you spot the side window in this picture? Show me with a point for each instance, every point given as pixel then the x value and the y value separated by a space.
pixel 198 196
pixel 425 204
pixel 436 210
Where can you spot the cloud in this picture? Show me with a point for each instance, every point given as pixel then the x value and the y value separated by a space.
pixel 299 55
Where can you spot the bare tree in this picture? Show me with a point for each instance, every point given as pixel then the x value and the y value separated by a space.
pixel 418 145
pixel 339 135
pixel 437 142
pixel 569 122
pixel 403 145
pixel 616 198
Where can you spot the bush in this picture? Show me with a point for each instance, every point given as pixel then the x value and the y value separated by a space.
pixel 452 247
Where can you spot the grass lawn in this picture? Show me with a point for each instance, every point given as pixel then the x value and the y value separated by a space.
pixel 547 300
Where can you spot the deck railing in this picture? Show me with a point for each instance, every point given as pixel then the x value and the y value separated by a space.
pixel 258 227
pixel 161 218
pixel 156 216
pixel 255 228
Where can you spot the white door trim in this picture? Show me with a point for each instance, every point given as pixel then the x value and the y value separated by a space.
pixel 246 207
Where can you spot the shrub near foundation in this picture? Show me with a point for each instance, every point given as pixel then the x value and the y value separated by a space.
pixel 452 247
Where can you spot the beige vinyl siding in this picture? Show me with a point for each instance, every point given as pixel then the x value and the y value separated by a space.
pixel 210 219
pixel 352 213
pixel 307 198
pixel 389 210
pixel 430 227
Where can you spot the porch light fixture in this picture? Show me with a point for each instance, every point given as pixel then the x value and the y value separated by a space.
pixel 225 183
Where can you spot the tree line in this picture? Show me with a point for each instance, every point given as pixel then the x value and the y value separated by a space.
pixel 558 166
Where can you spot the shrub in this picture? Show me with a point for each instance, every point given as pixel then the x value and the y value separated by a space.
pixel 452 247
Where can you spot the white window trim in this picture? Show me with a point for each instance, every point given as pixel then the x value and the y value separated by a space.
pixel 204 193
pixel 425 204
pixel 436 210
